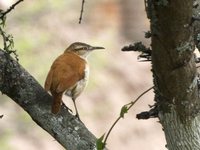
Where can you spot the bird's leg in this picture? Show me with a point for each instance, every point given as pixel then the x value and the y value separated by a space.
pixel 77 114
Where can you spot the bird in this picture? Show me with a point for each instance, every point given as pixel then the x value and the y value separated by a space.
pixel 69 74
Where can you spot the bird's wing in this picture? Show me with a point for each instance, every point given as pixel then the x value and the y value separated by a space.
pixel 64 74
pixel 48 81
pixel 67 80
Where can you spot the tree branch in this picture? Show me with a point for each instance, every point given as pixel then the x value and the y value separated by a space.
pixel 22 88
pixel 173 60
pixel 10 9
pixel 139 47
pixel 81 13
pixel 174 71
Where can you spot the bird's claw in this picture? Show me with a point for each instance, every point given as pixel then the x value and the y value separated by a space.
pixel 78 117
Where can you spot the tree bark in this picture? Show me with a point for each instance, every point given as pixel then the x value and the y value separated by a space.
pixel 179 135
pixel 21 87
pixel 174 72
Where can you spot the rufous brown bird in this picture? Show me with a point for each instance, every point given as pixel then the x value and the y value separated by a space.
pixel 69 74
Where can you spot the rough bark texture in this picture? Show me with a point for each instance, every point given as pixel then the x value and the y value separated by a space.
pixel 21 87
pixel 174 71
pixel 196 23
pixel 172 57
pixel 180 136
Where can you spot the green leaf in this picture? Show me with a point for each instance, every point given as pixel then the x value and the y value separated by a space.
pixel 99 143
pixel 124 110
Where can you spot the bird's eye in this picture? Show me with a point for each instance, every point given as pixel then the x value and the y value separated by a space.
pixel 85 48
pixel 79 48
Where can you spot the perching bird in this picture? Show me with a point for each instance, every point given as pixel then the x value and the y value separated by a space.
pixel 69 74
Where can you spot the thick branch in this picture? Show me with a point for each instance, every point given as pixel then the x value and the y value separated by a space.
pixel 172 57
pixel 175 74
pixel 178 135
pixel 20 86
pixel 196 23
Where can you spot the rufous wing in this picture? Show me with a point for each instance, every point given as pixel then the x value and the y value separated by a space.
pixel 67 81
pixel 48 81
pixel 66 73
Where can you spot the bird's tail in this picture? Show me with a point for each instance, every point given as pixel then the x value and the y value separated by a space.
pixel 57 101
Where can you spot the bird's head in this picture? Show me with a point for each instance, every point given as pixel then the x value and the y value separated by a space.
pixel 82 49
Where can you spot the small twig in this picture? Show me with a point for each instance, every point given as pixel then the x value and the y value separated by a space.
pixel 81 13
pixel 139 47
pixel 128 108
pixel 133 102
pixel 8 42
pixel 11 8
pixel 153 113
pixel 1 116
pixel 4 38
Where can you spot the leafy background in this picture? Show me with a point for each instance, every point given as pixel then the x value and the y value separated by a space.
pixel 43 29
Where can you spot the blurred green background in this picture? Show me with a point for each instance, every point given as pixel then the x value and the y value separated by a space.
pixel 43 29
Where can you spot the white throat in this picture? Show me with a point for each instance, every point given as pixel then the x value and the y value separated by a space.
pixel 84 55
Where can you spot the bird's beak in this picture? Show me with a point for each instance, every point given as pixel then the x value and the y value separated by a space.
pixel 96 48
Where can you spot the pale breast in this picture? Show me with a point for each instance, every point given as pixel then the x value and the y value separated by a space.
pixel 77 89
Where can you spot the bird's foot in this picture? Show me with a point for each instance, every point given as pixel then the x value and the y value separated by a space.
pixel 78 117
